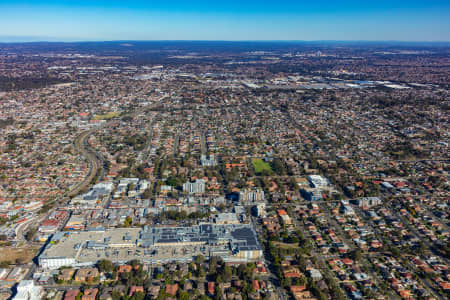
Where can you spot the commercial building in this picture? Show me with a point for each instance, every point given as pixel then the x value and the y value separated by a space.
pixel 260 210
pixel 311 194
pixel 368 201
pixel 226 218
pixel 96 194
pixel 152 245
pixel 251 195
pixel 26 290
pixel 346 209
pixel 196 187
pixel 318 181
pixel 208 161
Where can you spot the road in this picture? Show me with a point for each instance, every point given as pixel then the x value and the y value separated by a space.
pixel 20 229
pixel 81 146
pixel 143 155
pixel 419 236
pixel 281 293
pixel 203 147
pixel 422 160
pixel 96 159
pixel 176 144
pixel 96 167
pixel 379 234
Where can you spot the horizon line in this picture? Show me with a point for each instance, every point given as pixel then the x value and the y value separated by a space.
pixel 50 40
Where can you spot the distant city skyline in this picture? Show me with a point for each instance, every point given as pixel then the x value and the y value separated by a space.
pixel 68 20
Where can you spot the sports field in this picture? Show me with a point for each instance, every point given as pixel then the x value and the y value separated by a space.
pixel 259 165
pixel 107 116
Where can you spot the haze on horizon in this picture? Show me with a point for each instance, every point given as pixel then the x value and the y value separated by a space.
pixel 83 20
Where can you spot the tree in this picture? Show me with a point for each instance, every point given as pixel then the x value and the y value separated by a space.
pixel 217 293
pixel 105 265
pixel 278 166
pixel 172 181
pixel 162 294
pixel 201 272
pixel 199 259
pixel 138 296
pixel 128 221
pixel 20 261
pixel 4 264
pixel 395 252
pixel 183 295
pixel 31 233
pixel 219 278
pixel 356 255
pixel 147 194
pixel 227 273
pixel 421 248
pixel 116 295
pixel 134 263
pixel 212 265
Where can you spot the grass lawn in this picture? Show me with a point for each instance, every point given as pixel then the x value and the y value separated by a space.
pixel 107 116
pixel 11 254
pixel 285 245
pixel 259 165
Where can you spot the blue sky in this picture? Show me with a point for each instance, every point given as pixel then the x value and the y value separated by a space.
pixel 68 20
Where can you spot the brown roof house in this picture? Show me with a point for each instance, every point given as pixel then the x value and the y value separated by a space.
pixel 89 294
pixel 66 274
pixel 86 275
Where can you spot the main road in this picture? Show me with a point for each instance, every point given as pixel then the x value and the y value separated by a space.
pixel 96 167
pixel 96 162
pixel 81 146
